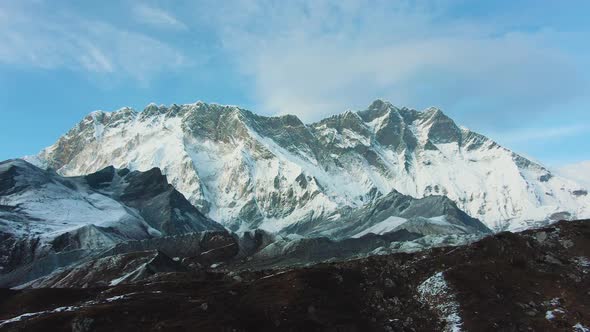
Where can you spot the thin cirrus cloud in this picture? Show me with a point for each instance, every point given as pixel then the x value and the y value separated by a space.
pixel 29 38
pixel 579 172
pixel 157 17
pixel 518 64
pixel 315 58
pixel 540 134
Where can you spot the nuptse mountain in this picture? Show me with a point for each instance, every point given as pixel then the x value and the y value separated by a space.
pixel 247 171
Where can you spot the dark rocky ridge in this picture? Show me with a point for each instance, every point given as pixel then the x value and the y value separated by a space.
pixel 147 198
pixel 505 282
pixel 418 212
pixel 251 250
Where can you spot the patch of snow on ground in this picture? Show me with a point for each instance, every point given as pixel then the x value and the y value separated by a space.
pixel 580 328
pixel 35 314
pixel 119 280
pixel 435 292
pixel 550 314
pixel 583 263
pixel 115 298
pixel 28 315
pixel 440 220
pixel 384 226
pixel 21 317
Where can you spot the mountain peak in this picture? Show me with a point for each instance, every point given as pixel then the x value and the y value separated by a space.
pixel 346 120
pixel 441 128
pixel 350 114
pixel 96 113
pixel 376 109
pixel 432 110
pixel 379 104
pixel 15 162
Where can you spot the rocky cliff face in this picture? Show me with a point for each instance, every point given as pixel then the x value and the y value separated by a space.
pixel 248 171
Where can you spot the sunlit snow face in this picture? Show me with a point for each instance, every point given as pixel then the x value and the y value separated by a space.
pixel 255 171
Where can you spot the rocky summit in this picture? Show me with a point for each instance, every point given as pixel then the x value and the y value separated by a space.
pixel 248 171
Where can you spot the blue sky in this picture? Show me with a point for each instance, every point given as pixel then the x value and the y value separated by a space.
pixel 517 71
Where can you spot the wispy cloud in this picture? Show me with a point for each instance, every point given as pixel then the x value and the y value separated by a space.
pixel 578 171
pixel 315 58
pixel 318 57
pixel 64 40
pixel 157 17
pixel 528 135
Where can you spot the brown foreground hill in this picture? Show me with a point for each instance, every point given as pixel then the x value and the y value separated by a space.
pixel 537 280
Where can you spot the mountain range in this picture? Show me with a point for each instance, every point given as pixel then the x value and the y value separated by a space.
pixel 250 222
pixel 279 174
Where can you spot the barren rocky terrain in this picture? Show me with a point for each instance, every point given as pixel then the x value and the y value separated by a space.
pixel 537 280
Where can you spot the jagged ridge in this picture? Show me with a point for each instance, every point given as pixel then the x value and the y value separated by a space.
pixel 249 171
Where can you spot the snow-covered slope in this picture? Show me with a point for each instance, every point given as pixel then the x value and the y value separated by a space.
pixel 41 211
pixel 249 171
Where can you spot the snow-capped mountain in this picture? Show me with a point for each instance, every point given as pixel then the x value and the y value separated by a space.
pixel 248 171
pixel 42 212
